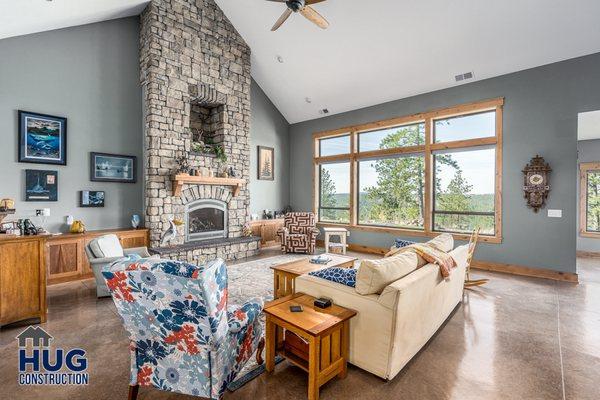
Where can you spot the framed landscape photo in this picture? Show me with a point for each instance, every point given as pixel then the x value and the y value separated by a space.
pixel 106 167
pixel 91 198
pixel 266 163
pixel 42 138
pixel 41 185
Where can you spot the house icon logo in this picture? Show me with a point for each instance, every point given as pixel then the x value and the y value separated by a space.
pixel 37 336
pixel 40 364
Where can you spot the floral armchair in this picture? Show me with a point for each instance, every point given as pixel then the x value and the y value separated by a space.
pixel 183 337
pixel 299 233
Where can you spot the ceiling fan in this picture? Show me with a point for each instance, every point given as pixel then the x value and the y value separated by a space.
pixel 304 8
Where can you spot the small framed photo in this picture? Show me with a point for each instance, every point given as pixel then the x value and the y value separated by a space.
pixel 41 185
pixel 266 163
pixel 106 167
pixel 42 138
pixel 91 198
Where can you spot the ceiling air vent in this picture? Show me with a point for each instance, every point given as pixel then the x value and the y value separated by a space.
pixel 463 77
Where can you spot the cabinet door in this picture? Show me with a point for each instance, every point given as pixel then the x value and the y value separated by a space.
pixel 20 279
pixel 63 259
pixel 129 241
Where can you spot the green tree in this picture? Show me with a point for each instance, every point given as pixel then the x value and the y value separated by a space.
pixel 456 197
pixel 328 199
pixel 593 201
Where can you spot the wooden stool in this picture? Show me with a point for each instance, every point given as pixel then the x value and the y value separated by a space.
pixel 342 233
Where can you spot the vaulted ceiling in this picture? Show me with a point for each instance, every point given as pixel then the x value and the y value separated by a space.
pixel 374 51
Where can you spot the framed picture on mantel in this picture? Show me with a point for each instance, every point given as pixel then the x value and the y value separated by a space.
pixel 266 163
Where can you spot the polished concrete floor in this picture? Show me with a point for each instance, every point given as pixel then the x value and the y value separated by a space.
pixel 515 338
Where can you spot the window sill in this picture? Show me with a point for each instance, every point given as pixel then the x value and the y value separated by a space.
pixel 411 232
pixel 593 235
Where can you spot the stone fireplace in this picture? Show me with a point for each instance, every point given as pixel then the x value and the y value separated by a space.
pixel 195 74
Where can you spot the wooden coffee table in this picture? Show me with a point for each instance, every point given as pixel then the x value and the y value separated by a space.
pixel 284 275
pixel 316 340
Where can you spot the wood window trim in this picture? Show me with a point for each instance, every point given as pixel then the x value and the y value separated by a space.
pixel 584 168
pixel 427 149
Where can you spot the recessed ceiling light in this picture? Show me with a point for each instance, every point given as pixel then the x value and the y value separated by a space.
pixel 324 111
pixel 280 59
pixel 308 100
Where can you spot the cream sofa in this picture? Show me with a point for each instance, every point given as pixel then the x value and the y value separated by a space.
pixel 390 328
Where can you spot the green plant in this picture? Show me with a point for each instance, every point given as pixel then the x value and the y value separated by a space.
pixel 220 153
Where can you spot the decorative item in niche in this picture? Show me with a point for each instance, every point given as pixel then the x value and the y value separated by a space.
pixel 42 138
pixel 536 185
pixel 266 163
pixel 41 185
pixel 106 167
pixel 91 198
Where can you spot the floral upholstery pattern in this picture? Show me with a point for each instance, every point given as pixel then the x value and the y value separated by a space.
pixel 184 337
pixel 299 234
pixel 345 276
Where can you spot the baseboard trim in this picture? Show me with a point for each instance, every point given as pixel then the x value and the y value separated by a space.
pixel 588 254
pixel 525 271
pixel 487 265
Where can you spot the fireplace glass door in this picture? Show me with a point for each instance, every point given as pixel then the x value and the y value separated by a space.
pixel 206 219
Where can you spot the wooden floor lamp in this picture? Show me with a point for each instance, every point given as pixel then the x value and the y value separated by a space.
pixel 472 245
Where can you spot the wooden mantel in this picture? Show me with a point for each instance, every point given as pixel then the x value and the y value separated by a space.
pixel 182 179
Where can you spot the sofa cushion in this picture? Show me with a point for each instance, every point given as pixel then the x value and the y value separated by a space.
pixel 443 242
pixel 399 243
pixel 374 275
pixel 106 246
pixel 345 276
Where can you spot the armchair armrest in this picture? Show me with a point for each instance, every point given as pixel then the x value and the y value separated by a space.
pixel 140 251
pixel 240 317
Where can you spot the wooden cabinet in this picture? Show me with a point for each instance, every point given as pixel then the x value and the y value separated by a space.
pixel 267 230
pixel 22 278
pixel 67 260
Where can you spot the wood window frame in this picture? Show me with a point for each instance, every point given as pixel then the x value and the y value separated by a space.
pixel 584 169
pixel 427 149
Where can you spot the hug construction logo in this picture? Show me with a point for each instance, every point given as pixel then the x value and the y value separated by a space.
pixel 39 365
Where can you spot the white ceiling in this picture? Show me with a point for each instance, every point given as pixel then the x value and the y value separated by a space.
pixel 381 50
pixel 21 17
pixel 588 125
pixel 374 51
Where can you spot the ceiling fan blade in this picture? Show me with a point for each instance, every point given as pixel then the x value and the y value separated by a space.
pixel 308 2
pixel 313 16
pixel 286 14
pixel 283 1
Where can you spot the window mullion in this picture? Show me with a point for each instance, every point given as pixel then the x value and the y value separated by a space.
pixel 353 186
pixel 427 216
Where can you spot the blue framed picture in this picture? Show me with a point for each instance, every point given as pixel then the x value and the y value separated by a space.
pixel 42 138
pixel 106 167
pixel 92 198
pixel 41 185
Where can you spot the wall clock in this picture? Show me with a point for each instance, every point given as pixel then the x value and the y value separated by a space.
pixel 536 186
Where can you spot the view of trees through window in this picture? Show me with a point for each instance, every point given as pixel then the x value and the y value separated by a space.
pixel 391 187
pixel 593 201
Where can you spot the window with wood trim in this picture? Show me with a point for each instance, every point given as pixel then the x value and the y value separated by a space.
pixel 589 199
pixel 436 171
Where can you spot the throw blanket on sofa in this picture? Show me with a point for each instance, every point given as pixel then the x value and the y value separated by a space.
pixel 429 254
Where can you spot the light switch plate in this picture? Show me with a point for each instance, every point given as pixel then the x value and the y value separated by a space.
pixel 555 213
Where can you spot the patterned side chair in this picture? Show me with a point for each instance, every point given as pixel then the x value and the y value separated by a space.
pixel 299 233
pixel 183 337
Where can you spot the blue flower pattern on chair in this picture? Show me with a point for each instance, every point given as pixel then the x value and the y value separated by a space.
pixel 184 337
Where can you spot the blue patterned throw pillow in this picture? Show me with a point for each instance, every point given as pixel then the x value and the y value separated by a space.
pixel 403 243
pixel 345 276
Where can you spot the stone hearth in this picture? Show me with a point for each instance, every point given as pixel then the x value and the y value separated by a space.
pixel 195 71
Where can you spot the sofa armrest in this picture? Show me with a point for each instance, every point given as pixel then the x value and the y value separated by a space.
pixel 140 251
pixel 240 317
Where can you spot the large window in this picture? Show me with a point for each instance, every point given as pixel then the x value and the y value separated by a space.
pixel 437 171
pixel 589 211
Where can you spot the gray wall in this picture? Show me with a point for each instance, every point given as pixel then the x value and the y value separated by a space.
pixel 268 128
pixel 540 117
pixel 588 151
pixel 90 75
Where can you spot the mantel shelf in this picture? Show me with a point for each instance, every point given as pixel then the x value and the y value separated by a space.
pixel 182 179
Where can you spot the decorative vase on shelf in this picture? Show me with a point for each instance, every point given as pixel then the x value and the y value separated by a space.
pixel 135 221
pixel 78 227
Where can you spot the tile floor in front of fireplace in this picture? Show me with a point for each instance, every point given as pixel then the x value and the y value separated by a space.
pixel 516 338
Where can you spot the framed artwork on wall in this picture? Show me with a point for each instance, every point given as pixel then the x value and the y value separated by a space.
pixel 41 185
pixel 91 198
pixel 106 167
pixel 42 138
pixel 266 163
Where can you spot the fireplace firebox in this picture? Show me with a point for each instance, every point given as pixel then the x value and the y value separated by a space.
pixel 206 219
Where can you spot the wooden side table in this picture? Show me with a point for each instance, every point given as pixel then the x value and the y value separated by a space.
pixel 341 233
pixel 284 275
pixel 324 339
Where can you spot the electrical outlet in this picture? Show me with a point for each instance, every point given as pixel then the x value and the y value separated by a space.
pixel 554 213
